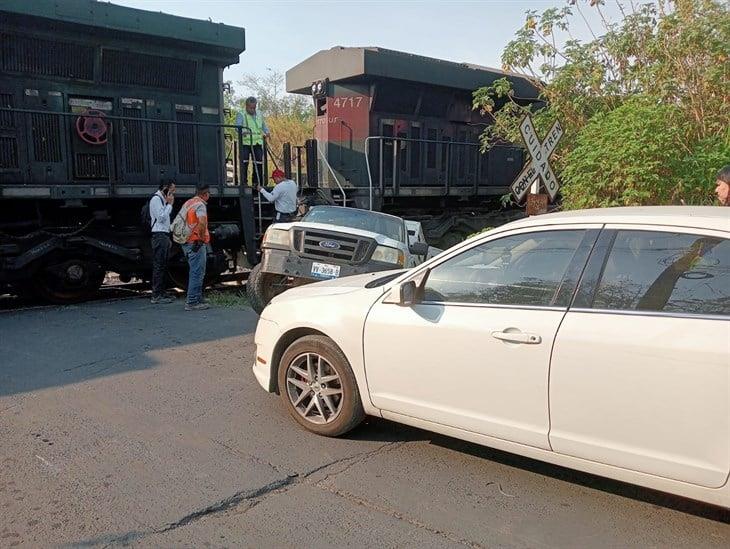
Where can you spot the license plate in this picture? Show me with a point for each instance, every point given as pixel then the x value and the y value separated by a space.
pixel 325 270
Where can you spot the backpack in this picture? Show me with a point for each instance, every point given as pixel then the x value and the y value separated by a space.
pixel 145 218
pixel 180 229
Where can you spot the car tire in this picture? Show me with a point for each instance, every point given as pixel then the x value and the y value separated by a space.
pixel 349 410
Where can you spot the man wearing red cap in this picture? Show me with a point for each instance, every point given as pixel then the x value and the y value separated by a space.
pixel 284 196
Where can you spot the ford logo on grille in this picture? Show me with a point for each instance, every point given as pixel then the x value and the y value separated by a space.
pixel 329 244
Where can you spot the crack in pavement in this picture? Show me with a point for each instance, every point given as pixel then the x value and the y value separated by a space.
pixel 251 457
pixel 2 411
pixel 282 485
pixel 116 360
pixel 352 498
pixel 252 497
pixel 352 460
pixel 393 513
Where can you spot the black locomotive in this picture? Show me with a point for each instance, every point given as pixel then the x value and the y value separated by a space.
pixel 99 104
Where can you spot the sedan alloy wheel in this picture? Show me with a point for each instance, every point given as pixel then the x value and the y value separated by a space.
pixel 314 388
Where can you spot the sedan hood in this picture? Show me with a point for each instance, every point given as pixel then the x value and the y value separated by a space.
pixel 335 286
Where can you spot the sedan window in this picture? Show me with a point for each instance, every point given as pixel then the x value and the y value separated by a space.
pixel 524 269
pixel 670 272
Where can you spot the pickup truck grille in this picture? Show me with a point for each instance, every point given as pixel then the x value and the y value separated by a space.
pixel 350 249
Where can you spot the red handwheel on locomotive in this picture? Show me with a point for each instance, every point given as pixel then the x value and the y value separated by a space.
pixel 92 127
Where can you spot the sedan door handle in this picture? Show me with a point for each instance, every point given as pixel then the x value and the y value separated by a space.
pixel 518 337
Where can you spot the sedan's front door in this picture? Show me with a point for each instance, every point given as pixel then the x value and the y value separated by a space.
pixel 474 353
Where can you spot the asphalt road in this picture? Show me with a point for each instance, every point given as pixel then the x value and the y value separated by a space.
pixel 123 423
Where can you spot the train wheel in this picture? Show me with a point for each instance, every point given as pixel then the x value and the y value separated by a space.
pixel 178 278
pixel 178 271
pixel 69 281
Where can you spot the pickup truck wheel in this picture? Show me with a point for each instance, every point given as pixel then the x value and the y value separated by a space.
pixel 262 287
pixel 318 387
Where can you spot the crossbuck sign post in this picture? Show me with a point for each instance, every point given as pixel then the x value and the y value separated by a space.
pixel 538 166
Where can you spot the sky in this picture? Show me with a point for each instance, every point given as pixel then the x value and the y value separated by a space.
pixel 280 34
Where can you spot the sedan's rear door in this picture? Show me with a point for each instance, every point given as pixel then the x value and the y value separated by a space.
pixel 640 373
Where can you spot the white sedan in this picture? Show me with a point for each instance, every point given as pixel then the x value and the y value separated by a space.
pixel 597 340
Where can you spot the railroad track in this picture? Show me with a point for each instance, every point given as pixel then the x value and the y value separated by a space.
pixel 114 290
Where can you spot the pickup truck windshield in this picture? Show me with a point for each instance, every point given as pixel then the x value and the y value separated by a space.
pixel 389 226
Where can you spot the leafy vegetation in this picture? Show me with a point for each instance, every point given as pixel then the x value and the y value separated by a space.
pixel 484 230
pixel 644 104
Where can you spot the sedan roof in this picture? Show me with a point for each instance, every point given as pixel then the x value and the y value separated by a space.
pixel 707 217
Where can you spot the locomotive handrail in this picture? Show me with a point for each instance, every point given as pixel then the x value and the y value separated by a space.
pixel 241 131
pixel 132 118
pixel 395 140
pixel 344 196
pixel 367 166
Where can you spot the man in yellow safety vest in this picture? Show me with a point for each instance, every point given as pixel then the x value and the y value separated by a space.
pixel 253 142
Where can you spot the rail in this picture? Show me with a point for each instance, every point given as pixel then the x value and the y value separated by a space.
pixel 443 161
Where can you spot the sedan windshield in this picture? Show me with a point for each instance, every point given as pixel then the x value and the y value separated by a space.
pixel 375 222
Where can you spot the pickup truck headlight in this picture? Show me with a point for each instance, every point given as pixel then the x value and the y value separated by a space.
pixel 277 237
pixel 386 254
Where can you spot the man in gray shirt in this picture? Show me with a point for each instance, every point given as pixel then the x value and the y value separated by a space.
pixel 160 208
pixel 284 196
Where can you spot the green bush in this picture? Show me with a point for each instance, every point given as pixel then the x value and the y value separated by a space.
pixel 638 154
pixel 696 172
pixel 624 157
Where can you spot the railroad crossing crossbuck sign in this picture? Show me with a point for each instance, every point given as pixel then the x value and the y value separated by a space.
pixel 539 164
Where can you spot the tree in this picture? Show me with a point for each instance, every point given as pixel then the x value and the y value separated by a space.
pixel 644 103
pixel 273 99
pixel 290 117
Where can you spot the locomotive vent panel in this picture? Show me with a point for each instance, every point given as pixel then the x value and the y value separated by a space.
pixel 91 137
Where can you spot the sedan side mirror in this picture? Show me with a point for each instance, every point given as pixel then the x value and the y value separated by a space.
pixel 407 294
pixel 419 248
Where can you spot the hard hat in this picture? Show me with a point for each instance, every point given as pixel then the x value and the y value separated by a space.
pixel 277 173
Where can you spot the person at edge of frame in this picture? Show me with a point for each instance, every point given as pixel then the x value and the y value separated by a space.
pixel 722 186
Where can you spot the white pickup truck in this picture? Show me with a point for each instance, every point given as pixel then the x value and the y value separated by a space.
pixel 332 242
